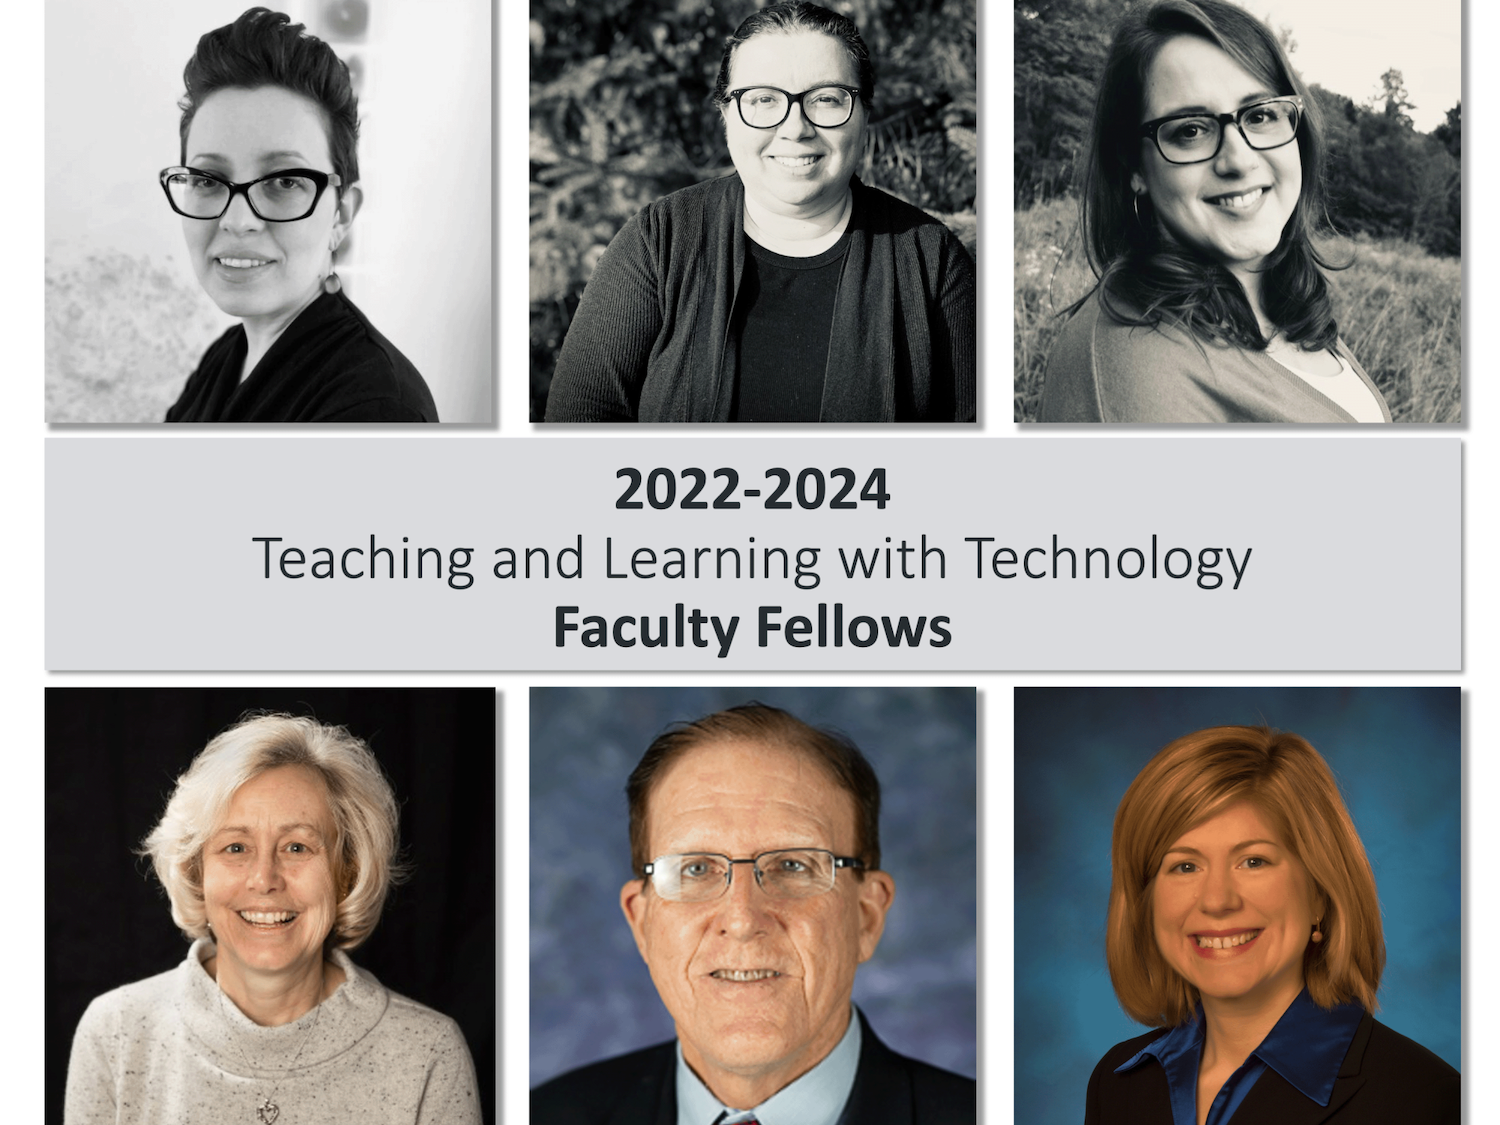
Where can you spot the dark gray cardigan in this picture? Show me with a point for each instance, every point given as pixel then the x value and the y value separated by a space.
pixel 651 339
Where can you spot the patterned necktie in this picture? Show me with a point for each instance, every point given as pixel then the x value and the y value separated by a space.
pixel 730 1117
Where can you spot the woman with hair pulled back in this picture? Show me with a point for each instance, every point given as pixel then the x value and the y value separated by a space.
pixel 787 291
pixel 1244 927
pixel 267 188
pixel 276 849
pixel 1201 196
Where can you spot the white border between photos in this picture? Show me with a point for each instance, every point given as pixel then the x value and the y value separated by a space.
pixel 23 676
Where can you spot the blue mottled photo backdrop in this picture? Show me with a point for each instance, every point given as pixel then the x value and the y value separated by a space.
pixel 591 996
pixel 1397 755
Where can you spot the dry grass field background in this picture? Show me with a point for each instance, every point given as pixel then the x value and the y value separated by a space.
pixel 1399 310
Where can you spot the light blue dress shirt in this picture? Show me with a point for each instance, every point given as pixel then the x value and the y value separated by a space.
pixel 1306 1047
pixel 817 1098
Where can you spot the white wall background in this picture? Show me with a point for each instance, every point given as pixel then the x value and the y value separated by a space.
pixel 126 320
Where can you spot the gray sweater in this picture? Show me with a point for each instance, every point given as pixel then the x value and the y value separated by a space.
pixel 172 1048
pixel 1103 371
pixel 652 340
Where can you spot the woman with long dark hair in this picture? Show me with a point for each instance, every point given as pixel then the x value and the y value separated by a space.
pixel 1201 196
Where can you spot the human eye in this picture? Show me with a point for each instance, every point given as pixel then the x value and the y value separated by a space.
pixel 197 183
pixel 1186 132
pixel 234 848
pixel 287 185
pixel 698 869
pixel 1255 862
pixel 828 96
pixel 1182 867
pixel 763 97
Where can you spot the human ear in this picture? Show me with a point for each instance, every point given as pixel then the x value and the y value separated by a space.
pixel 876 891
pixel 350 200
pixel 633 906
pixel 1137 184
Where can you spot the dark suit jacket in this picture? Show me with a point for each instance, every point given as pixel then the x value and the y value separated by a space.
pixel 641 1089
pixel 1386 1079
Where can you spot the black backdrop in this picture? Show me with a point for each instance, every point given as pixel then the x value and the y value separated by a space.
pixel 112 757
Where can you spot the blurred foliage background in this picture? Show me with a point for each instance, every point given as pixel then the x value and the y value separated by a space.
pixel 1394 200
pixel 1385 179
pixel 621 115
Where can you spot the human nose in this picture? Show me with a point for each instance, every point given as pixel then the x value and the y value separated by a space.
pixel 1220 893
pixel 742 908
pixel 238 215
pixel 1235 157
pixel 265 873
pixel 796 125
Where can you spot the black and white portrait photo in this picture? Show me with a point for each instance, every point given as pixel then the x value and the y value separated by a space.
pixel 749 212
pixel 269 214
pixel 1233 213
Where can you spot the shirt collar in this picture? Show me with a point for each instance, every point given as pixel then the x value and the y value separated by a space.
pixel 1306 1047
pixel 817 1098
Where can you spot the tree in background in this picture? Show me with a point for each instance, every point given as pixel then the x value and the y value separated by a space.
pixel 621 115
pixel 1385 178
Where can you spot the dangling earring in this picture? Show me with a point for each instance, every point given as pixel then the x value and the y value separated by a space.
pixel 331 283
pixel 1135 201
pixel 1317 934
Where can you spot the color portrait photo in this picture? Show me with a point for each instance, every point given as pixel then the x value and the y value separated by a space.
pixel 1273 869
pixel 818 847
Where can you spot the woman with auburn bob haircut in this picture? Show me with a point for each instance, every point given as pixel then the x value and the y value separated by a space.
pixel 1244 927
pixel 276 849
pixel 1202 194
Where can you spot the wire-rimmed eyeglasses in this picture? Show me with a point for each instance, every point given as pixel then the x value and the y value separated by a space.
pixel 283 196
pixel 783 873
pixel 1192 138
pixel 766 107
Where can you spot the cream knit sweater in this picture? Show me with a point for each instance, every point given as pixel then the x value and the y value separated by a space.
pixel 171 1049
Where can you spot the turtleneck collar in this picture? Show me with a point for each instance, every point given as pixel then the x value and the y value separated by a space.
pixel 236 1043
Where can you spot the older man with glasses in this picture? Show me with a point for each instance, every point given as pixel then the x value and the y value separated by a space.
pixel 756 843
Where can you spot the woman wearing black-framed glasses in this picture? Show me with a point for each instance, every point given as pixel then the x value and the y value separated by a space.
pixel 267 189
pixel 1201 196
pixel 788 292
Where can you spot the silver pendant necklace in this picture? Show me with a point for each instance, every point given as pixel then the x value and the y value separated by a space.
pixel 268 1111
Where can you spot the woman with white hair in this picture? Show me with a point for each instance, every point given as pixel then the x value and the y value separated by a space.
pixel 277 849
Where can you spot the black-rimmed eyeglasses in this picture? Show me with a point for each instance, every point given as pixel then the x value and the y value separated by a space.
pixel 766 107
pixel 280 197
pixel 1192 138
pixel 784 873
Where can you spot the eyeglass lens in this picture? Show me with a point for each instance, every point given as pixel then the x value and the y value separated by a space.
pixel 1187 140
pixel 765 107
pixel 279 198
pixel 794 873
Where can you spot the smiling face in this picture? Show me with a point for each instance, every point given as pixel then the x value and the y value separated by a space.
pixel 795 170
pixel 1231 209
pixel 253 269
pixel 269 878
pixel 1233 910
pixel 759 988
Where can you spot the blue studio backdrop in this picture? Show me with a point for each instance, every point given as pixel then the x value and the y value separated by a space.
pixel 591 996
pixel 1396 754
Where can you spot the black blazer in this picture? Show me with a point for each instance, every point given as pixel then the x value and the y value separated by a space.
pixel 1386 1079
pixel 641 1089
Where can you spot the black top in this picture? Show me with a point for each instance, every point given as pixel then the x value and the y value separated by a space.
pixel 1385 1079
pixel 330 365
pixel 785 319
pixel 641 1089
